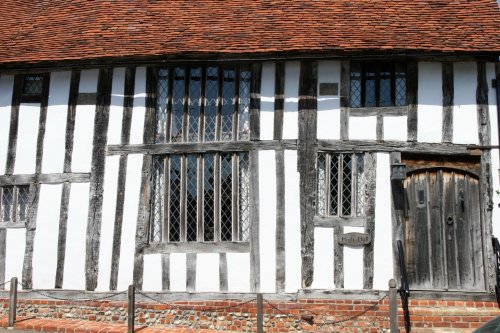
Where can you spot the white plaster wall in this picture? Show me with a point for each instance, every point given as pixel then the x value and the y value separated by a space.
pixel 323 259
pixel 45 242
pixel 430 102
pixel 353 263
pixel 291 114
pixel 207 272
pixel 383 264
pixel 267 101
pixel 27 135
pixel 292 224
pixel 74 261
pixel 152 273
pixel 108 220
pixel 465 126
pixel 6 88
pixel 177 272
pixel 329 105
pixel 396 128
pixel 14 255
pixel 55 126
pixel 88 81
pixel 238 272
pixel 267 225
pixel 139 110
pixel 116 107
pixel 492 106
pixel 362 128
pixel 130 211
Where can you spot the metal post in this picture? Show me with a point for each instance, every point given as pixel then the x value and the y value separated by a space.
pixel 131 308
pixel 393 306
pixel 12 301
pixel 260 317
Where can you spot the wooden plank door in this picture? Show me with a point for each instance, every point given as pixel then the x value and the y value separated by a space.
pixel 442 232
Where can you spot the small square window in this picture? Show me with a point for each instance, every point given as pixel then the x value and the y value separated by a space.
pixel 14 204
pixel 32 88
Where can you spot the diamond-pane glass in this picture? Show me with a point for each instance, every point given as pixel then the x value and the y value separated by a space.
pixel 158 198
pixel 22 202
pixel 33 85
pixel 175 199
pixel 355 92
pixel 226 202
pixel 211 102
pixel 385 95
pixel 334 185
pixel 194 104
pixel 244 197
pixel 228 92
pixel 177 104
pixel 7 198
pixel 360 185
pixel 400 88
pixel 191 198
pixel 161 107
pixel 370 99
pixel 244 106
pixel 346 185
pixel 321 186
pixel 208 197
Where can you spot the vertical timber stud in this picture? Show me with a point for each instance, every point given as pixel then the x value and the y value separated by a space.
pixel 486 185
pixel 397 213
pixel 34 190
pixel 128 104
pixel 254 177
pixel 63 216
pixel 307 147
pixel 371 183
pixel 101 121
pixel 279 101
pixel 448 100
pixel 141 232
pixel 412 100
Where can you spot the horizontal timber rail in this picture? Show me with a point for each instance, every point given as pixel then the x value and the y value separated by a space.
pixel 44 178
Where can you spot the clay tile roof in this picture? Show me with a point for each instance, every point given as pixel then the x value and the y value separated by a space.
pixel 52 30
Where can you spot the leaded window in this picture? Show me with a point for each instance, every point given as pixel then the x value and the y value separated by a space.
pixel 340 185
pixel 32 88
pixel 14 204
pixel 377 84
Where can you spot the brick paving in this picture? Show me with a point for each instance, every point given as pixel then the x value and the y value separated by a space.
pixel 84 326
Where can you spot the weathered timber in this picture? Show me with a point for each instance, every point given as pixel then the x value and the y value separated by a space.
pixel 142 228
pixel 128 104
pixel 337 221
pixel 223 284
pixel 165 271
pixel 379 111
pixel 61 239
pixel 34 194
pixel 41 123
pixel 279 100
pixel 87 99
pixel 70 119
pixel 255 101
pixel 254 222
pixel 448 100
pixel 97 177
pixel 371 181
pixel 380 128
pixel 344 99
pixel 338 258
pixel 280 221
pixel 192 247
pixel 14 124
pixel 308 83
pixel 202 147
pixel 486 183
pixel 45 178
pixel 191 272
pixel 3 248
pixel 412 99
pixel 397 214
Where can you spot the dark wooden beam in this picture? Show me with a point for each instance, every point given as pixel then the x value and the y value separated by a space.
pixel 368 250
pixel 412 99
pixel 14 124
pixel 45 178
pixel 255 101
pixel 194 247
pixel 191 259
pixel 448 101
pixel 223 282
pixel 34 195
pixel 344 99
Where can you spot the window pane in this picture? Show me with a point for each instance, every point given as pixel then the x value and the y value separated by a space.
pixel 161 108
pixel 226 197
pixel 33 85
pixel 370 76
pixel 228 92
pixel 400 87
pixel 175 199
pixel 385 96
pixel 158 198
pixel 194 104
pixel 7 203
pixel 208 197
pixel 334 185
pixel 177 104
pixel 244 123
pixel 360 185
pixel 22 203
pixel 355 93
pixel 191 198
pixel 244 196
pixel 346 185
pixel 321 186
pixel 211 98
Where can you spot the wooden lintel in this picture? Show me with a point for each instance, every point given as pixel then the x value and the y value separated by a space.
pixel 45 178
pixel 195 247
pixel 335 221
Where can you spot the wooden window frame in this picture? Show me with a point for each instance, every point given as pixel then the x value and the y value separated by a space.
pixel 14 222
pixel 27 97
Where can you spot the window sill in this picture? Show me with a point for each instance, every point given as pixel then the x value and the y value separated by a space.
pixel 12 225
pixel 194 247
pixel 335 221
pixel 379 111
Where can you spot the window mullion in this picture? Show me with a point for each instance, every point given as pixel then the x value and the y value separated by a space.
pixel 354 182
pixel 340 193
pixel 217 196
pixel 328 185
pixel 377 68
pixel 166 200
pixel 235 196
pixel 183 217
pixel 393 84
pixel 201 123
pixel 15 194
pixel 363 85
pixel 185 115
pixel 169 104
pixel 220 86
pixel 236 102
pixel 200 202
